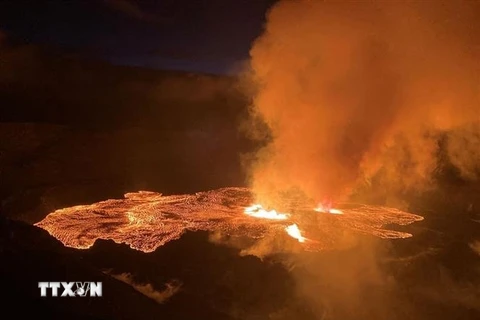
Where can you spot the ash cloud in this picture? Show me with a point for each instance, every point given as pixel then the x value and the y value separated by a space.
pixel 355 93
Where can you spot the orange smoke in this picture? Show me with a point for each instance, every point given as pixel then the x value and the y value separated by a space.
pixel 355 90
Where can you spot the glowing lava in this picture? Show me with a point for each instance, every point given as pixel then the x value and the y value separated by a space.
pixel 257 211
pixel 321 208
pixel 295 233
pixel 147 220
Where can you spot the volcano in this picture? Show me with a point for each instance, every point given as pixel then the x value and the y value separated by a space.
pixel 204 196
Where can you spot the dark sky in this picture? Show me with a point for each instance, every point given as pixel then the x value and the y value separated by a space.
pixel 194 35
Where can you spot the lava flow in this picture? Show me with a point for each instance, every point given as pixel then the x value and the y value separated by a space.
pixel 147 220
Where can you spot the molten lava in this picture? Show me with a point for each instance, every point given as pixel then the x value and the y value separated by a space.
pixel 321 208
pixel 257 211
pixel 147 220
pixel 294 232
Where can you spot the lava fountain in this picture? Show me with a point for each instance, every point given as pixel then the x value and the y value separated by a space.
pixel 294 232
pixel 147 220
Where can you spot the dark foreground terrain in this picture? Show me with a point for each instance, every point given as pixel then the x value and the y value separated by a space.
pixel 90 132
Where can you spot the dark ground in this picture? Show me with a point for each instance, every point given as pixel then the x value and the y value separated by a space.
pixel 79 132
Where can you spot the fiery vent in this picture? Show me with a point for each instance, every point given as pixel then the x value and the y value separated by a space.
pixel 323 209
pixel 257 211
pixel 148 220
pixel 294 232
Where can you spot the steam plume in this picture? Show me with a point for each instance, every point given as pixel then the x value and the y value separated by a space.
pixel 353 91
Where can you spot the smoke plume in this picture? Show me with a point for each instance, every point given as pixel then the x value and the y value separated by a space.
pixel 355 92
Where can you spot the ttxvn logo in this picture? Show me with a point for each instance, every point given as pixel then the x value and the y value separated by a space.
pixel 71 289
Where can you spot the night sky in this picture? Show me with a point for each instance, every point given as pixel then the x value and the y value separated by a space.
pixel 193 35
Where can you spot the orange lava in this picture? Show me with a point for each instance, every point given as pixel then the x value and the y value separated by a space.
pixel 147 220
pixel 295 233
